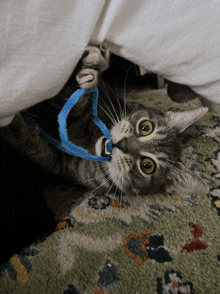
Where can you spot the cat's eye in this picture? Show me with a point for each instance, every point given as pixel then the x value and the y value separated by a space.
pixel 145 128
pixel 147 165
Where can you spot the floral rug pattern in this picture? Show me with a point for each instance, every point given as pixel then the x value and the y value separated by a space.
pixel 168 244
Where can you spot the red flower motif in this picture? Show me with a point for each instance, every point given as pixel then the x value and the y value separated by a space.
pixel 195 243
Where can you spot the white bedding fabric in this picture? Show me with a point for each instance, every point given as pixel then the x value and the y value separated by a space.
pixel 42 41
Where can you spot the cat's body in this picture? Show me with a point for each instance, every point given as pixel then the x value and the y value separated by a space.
pixel 146 147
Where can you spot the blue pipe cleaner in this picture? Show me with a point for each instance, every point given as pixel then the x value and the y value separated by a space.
pixel 67 146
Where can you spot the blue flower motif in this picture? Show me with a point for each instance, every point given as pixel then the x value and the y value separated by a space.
pixel 109 275
pixel 173 283
pixel 144 247
pixel 186 138
pixel 156 250
pixel 215 119
pixel 99 202
pixel 71 290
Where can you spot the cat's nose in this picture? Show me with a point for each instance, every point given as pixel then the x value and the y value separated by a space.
pixel 122 145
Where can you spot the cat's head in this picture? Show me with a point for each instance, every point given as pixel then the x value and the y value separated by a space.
pixel 146 153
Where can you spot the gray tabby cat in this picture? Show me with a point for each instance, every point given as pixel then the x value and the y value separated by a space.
pixel 146 153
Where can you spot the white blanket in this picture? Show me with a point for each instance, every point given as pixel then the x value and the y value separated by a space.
pixel 42 41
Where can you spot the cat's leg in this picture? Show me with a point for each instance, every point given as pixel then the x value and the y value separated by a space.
pixel 27 139
pixel 94 61
pixel 62 197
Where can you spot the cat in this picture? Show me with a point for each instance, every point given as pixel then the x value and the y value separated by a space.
pixel 146 143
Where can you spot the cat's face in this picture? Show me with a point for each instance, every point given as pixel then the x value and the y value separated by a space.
pixel 146 153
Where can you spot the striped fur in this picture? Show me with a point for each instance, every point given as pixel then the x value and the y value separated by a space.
pixel 123 173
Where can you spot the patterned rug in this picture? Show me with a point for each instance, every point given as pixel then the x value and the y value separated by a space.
pixel 162 245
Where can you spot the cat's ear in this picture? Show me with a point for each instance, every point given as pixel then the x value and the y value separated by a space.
pixel 187 182
pixel 104 50
pixel 182 120
pixel 103 46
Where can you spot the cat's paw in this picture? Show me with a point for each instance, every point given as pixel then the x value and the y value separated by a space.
pixel 94 61
pixel 87 78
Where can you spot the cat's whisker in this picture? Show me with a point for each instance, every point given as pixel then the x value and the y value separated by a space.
pixel 132 185
pixel 122 178
pixel 124 96
pixel 173 168
pixel 112 119
pixel 124 110
pixel 95 189
pixel 182 177
pixel 116 88
pixel 110 100
pixel 117 178
pixel 172 171
pixel 116 95
pixel 109 188
pixel 119 104
pixel 177 162
pixel 98 176
pixel 110 112
pixel 116 189
pixel 107 95
pixel 120 108
pixel 171 165
pixel 113 183
pixel 121 197
pixel 176 173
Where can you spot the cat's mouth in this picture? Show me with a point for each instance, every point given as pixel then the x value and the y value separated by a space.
pixel 104 147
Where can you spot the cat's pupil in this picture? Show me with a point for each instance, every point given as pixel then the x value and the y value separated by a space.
pixel 145 128
pixel 147 165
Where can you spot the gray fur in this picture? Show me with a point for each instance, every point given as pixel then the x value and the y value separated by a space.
pixel 123 173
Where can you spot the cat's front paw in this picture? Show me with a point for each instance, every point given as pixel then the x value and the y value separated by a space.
pixel 87 78
pixel 94 61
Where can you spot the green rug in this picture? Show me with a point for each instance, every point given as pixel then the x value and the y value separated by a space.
pixel 153 246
